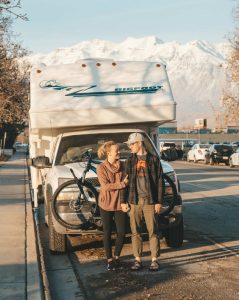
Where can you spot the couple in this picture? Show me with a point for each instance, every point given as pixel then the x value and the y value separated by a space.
pixel 138 183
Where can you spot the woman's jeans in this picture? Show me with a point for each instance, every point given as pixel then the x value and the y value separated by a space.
pixel 108 219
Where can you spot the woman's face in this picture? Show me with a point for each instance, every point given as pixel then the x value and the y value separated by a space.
pixel 114 153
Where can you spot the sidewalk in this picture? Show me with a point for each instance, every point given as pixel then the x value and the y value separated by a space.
pixel 19 268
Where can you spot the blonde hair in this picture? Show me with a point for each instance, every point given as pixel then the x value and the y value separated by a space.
pixel 105 148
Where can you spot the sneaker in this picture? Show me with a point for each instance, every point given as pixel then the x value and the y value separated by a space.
pixel 154 266
pixel 111 266
pixel 118 264
pixel 137 266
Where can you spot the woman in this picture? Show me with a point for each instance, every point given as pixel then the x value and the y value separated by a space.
pixel 112 181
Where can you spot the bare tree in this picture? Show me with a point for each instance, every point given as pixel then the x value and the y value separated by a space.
pixel 230 98
pixel 12 7
pixel 14 81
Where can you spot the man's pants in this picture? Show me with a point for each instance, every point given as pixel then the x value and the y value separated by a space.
pixel 136 217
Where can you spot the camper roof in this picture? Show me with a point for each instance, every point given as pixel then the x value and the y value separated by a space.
pixel 100 92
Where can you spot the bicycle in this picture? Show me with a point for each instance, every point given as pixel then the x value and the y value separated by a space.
pixel 75 202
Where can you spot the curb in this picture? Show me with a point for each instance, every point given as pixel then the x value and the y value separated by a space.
pixel 34 284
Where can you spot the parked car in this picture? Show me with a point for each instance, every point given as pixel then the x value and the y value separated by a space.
pixel 198 153
pixel 234 145
pixel 168 151
pixel 234 159
pixel 186 147
pixel 219 154
pixel 17 146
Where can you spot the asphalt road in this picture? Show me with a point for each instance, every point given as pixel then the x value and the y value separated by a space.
pixel 205 267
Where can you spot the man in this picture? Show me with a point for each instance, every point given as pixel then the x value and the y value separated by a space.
pixel 144 193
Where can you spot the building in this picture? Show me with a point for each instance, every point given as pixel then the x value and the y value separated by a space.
pixel 170 127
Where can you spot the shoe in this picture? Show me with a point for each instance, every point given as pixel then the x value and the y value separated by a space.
pixel 111 266
pixel 137 266
pixel 118 264
pixel 154 266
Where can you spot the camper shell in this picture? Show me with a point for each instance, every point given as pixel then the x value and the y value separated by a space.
pixel 92 94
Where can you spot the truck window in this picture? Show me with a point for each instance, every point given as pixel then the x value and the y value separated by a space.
pixel 72 147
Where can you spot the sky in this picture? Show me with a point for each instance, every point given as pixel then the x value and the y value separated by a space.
pixel 63 23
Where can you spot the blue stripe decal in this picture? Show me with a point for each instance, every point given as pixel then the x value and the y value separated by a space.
pixel 80 91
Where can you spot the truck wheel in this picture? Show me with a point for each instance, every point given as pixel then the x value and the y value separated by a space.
pixel 40 197
pixel 45 214
pixel 174 235
pixel 57 241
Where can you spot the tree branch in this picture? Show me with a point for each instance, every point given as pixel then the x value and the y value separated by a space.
pixel 9 8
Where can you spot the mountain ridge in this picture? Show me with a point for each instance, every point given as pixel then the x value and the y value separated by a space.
pixel 196 69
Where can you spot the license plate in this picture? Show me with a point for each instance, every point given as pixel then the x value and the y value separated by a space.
pixel 225 157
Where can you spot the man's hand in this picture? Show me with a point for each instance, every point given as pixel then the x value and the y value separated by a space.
pixel 157 208
pixel 126 180
pixel 125 207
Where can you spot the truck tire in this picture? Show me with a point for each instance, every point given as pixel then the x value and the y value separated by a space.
pixel 57 241
pixel 40 196
pixel 174 235
pixel 45 214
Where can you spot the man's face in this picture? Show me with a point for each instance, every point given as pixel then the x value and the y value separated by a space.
pixel 135 147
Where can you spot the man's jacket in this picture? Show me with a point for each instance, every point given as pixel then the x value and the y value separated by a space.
pixel 154 175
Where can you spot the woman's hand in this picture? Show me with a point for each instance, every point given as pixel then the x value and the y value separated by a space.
pixel 157 208
pixel 126 180
pixel 125 207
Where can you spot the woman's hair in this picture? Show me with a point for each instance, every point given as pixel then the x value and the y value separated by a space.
pixel 103 149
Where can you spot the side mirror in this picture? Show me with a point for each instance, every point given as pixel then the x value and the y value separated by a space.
pixel 41 162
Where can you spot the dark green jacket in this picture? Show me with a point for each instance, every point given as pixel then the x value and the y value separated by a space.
pixel 154 175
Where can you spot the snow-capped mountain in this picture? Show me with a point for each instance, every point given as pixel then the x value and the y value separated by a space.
pixel 197 70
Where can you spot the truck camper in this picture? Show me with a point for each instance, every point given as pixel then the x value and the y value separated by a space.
pixel 74 109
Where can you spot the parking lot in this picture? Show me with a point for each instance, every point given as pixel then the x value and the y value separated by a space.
pixel 206 267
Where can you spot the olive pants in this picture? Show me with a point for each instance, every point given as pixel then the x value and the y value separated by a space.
pixel 137 213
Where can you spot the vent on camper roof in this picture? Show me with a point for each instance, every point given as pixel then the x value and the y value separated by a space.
pixel 158 65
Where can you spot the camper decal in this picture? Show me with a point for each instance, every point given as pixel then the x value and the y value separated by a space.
pixel 80 91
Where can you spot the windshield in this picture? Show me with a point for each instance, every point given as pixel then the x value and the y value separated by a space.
pixel 73 147
pixel 172 145
pixel 204 146
pixel 223 147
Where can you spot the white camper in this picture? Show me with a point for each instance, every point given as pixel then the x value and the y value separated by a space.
pixel 81 105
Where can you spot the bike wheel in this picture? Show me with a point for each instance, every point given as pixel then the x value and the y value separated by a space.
pixel 169 196
pixel 73 209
